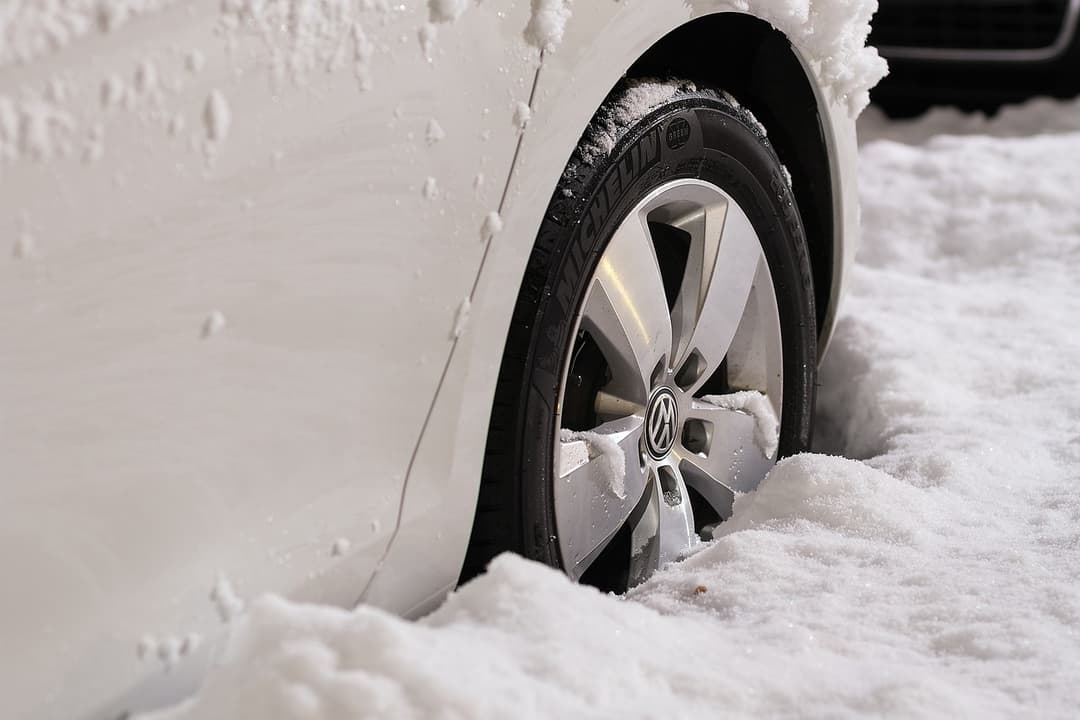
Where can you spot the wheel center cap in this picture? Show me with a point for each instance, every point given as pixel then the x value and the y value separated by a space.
pixel 661 421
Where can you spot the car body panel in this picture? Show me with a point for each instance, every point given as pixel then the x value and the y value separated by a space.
pixel 144 447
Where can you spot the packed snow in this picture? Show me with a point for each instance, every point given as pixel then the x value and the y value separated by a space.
pixel 578 447
pixel 755 404
pixel 933 571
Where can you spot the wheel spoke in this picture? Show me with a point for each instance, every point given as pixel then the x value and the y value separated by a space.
pixel 725 454
pixel 597 491
pixel 676 516
pixel 719 281
pixel 664 529
pixel 626 311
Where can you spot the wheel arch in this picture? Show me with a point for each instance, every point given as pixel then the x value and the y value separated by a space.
pixel 603 43
pixel 753 61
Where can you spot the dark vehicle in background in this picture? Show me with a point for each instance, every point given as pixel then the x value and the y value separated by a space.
pixel 975 54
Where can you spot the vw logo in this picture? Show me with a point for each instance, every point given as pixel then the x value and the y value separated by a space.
pixel 661 421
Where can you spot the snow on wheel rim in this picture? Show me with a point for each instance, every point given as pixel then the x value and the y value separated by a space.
pixel 640 421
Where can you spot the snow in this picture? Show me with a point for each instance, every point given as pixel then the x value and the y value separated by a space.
pixel 427 35
pixel 168 650
pixel 112 91
pixel 195 61
pixel 175 125
pixel 146 78
pixel 214 324
pixel 46 130
pixel 755 404
pixel 146 647
pixel 492 226
pixel 931 572
pixel 295 39
pixel 228 604
pixel 547 23
pixel 832 35
pixel 434 132
pixel 340 547
pixel 363 52
pixel 637 99
pixel 597 445
pixel 1038 116
pixel 461 318
pixel 300 37
pixel 522 115
pixel 446 10
pixel 217 117
pixel 430 189
pixel 33 28
pixel 25 246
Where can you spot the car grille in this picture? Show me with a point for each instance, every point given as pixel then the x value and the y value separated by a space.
pixel 987 25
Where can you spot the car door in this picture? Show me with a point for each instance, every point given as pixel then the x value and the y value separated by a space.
pixel 239 240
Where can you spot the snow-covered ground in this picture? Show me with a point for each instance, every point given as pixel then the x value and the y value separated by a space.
pixel 934 573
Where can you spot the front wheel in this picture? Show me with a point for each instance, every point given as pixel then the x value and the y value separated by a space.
pixel 663 347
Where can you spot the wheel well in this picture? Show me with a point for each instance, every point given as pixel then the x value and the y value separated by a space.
pixel 754 62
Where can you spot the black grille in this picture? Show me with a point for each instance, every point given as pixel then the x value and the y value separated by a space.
pixel 955 24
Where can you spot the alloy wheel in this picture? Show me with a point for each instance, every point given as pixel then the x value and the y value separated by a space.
pixel 672 392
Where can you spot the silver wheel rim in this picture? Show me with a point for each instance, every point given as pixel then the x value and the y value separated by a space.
pixel 626 466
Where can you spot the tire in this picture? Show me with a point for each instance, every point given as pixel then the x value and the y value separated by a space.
pixel 566 347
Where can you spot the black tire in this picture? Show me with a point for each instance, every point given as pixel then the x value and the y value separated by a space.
pixel 695 134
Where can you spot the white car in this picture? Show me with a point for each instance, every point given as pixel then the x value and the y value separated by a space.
pixel 340 299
